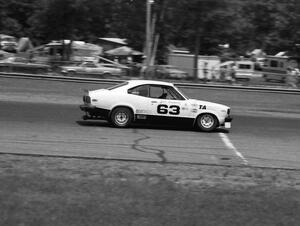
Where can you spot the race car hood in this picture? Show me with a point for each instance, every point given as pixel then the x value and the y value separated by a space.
pixel 208 105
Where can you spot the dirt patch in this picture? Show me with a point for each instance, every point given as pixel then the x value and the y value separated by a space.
pixel 58 191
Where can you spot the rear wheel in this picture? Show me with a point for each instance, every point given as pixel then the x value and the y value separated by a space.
pixel 40 71
pixel 207 122
pixel 71 73
pixel 121 117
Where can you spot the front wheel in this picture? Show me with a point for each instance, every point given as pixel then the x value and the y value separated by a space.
pixel 121 117
pixel 106 75
pixel 207 122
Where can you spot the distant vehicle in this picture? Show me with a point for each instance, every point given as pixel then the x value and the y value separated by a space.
pixel 275 67
pixel 206 65
pixel 244 69
pixel 104 70
pixel 55 50
pixel 8 43
pixel 169 72
pixel 20 64
pixel 154 101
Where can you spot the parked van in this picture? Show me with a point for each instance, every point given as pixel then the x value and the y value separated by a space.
pixel 275 67
pixel 244 69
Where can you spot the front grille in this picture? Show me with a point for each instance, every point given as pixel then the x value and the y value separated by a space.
pixel 86 99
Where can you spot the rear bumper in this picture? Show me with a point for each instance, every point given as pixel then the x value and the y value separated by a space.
pixel 87 107
pixel 92 112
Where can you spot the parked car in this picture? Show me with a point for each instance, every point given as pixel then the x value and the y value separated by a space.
pixel 20 64
pixel 8 43
pixel 169 72
pixel 154 101
pixel 91 68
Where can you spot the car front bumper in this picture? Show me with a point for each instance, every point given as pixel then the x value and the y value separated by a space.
pixel 227 122
pixel 228 119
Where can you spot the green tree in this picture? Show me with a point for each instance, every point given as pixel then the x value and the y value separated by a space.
pixel 128 20
pixel 14 15
pixel 245 24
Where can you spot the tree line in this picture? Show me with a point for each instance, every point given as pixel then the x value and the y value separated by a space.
pixel 271 25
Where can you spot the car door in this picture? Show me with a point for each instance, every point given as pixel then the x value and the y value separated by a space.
pixel 90 68
pixel 139 98
pixel 166 102
pixel 111 69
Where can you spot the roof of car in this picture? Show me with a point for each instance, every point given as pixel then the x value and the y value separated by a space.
pixel 141 82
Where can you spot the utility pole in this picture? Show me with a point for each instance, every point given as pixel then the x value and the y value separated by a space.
pixel 148 35
pixel 197 47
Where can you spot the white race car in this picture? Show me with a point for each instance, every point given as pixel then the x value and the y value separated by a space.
pixel 155 101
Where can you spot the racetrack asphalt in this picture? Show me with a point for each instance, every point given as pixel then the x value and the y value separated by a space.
pixel 43 118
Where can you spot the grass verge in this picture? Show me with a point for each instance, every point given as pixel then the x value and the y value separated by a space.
pixel 48 191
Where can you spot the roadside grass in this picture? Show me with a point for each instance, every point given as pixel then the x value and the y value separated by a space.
pixel 46 191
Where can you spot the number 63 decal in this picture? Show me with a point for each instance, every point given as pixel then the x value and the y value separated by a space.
pixel 165 109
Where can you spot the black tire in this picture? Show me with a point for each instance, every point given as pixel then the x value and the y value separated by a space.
pixel 207 122
pixel 265 77
pixel 40 71
pixel 71 73
pixel 121 117
pixel 106 75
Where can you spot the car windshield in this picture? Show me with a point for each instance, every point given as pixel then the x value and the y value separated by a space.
pixel 181 93
pixel 118 86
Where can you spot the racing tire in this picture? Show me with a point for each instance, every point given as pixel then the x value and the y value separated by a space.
pixel 207 122
pixel 121 117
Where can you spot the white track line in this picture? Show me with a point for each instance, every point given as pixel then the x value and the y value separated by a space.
pixel 230 146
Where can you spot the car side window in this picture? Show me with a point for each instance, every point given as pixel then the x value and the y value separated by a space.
pixel 156 92
pixel 140 90
pixel 20 60
pixel 89 64
pixel 164 92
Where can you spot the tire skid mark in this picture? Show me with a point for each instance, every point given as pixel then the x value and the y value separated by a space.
pixel 141 148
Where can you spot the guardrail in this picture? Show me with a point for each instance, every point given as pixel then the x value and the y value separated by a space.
pixel 179 84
